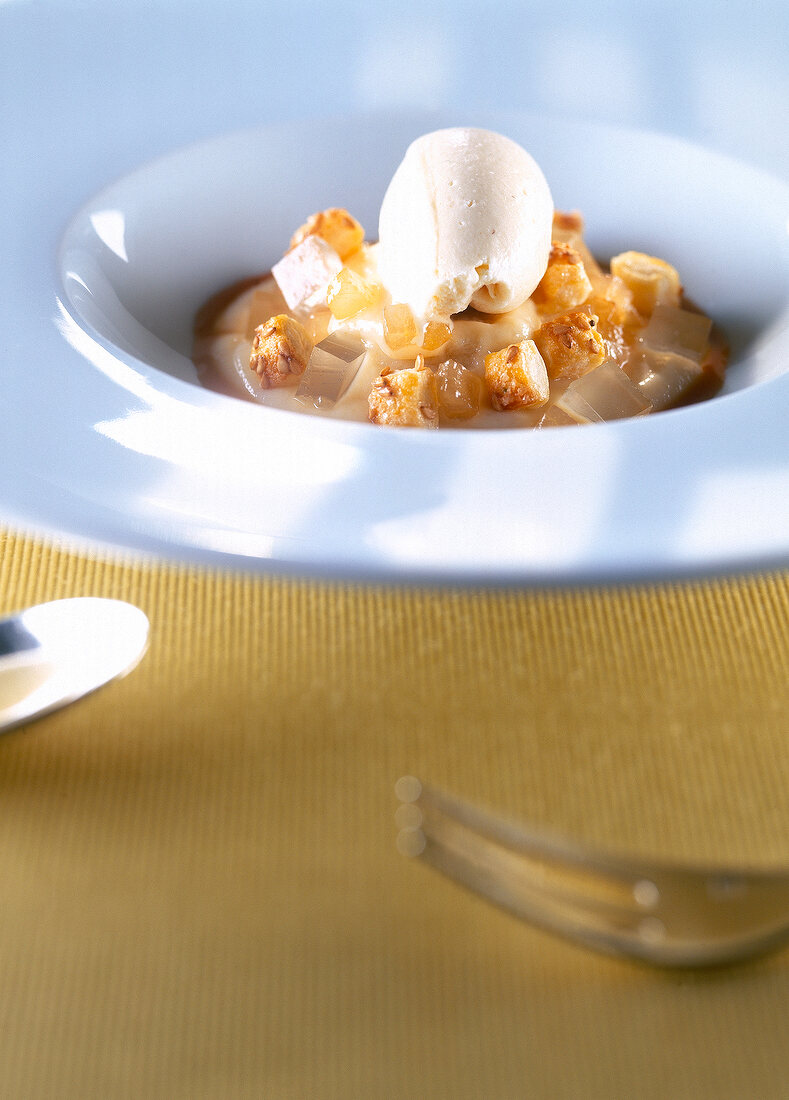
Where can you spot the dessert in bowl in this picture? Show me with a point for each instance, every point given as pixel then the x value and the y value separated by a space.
pixel 479 305
pixel 153 458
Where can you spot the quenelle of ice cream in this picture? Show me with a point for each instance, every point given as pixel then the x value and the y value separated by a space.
pixel 466 220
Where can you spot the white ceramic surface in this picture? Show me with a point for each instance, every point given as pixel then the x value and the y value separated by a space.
pixel 106 439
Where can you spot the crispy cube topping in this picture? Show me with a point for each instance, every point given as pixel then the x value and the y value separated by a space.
pixel 565 283
pixel 406 398
pixel 516 377
pixel 569 229
pixel 280 351
pixel 570 344
pixel 652 281
pixel 335 226
pixel 567 222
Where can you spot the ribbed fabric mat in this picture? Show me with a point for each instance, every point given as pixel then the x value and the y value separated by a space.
pixel 201 891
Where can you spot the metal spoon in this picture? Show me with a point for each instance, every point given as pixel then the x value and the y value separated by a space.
pixel 55 653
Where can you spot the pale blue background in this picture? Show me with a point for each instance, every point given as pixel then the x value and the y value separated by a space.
pixel 716 72
pixel 89 91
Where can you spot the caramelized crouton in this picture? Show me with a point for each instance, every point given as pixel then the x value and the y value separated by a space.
pixel 565 283
pixel 652 281
pixel 569 229
pixel 516 377
pixel 570 345
pixel 567 222
pixel 406 398
pixel 280 350
pixel 335 226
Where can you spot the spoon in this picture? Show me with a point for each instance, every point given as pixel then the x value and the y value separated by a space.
pixel 54 653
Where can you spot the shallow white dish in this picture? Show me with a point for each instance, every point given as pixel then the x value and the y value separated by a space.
pixel 147 459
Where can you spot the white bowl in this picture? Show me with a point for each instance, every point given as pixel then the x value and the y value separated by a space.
pixel 150 460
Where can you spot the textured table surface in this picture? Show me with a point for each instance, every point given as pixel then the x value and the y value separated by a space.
pixel 202 894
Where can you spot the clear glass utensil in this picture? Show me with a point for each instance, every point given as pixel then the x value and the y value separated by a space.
pixel 667 914
pixel 56 652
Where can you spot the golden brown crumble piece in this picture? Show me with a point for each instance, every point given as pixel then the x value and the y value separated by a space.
pixel 571 345
pixel 335 226
pixel 406 398
pixel 565 283
pixel 568 221
pixel 516 377
pixel 569 229
pixel 281 348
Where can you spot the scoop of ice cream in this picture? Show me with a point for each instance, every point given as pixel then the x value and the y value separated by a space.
pixel 466 220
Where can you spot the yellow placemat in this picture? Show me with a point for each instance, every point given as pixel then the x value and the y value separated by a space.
pixel 201 891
